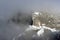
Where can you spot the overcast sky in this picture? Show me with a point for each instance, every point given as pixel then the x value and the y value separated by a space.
pixel 7 7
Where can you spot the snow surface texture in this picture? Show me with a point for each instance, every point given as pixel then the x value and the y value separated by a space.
pixel 29 34
pixel 41 29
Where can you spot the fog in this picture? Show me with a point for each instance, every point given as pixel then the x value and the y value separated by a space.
pixel 10 8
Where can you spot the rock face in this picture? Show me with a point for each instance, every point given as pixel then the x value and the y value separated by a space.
pixel 43 18
pixel 36 19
